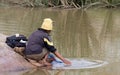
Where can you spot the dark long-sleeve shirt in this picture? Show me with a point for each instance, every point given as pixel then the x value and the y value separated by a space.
pixel 37 41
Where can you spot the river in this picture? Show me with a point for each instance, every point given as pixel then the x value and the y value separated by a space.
pixel 93 34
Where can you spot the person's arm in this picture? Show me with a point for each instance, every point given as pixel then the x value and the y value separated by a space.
pixel 62 58
pixel 49 45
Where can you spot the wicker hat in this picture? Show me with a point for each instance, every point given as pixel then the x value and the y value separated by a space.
pixel 47 24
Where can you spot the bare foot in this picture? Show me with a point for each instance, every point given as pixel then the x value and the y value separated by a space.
pixel 35 63
pixel 45 63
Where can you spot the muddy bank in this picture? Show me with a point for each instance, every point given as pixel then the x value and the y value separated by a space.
pixel 9 60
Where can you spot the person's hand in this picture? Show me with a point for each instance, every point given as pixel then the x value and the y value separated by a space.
pixel 67 62
pixel 62 58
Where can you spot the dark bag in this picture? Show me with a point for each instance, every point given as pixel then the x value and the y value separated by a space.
pixel 16 41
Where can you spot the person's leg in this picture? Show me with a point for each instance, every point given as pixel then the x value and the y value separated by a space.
pixel 44 60
pixel 35 63
pixel 19 50
pixel 50 58
pixel 38 59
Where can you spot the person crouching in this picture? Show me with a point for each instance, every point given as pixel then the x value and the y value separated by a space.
pixel 39 45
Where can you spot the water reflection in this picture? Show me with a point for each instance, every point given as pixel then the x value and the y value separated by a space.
pixel 73 32
pixel 76 35
pixel 37 72
pixel 106 31
pixel 43 72
pixel 107 36
pixel 94 33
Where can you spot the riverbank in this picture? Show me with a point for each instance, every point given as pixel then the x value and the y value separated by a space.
pixel 10 60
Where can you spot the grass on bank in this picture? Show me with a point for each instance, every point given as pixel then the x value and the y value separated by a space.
pixel 63 3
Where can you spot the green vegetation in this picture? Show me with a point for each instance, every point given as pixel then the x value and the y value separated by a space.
pixel 64 3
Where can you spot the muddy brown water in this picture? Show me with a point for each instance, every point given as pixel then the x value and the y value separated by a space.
pixel 91 34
